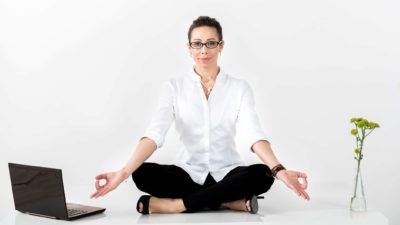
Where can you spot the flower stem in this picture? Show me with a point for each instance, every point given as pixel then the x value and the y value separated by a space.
pixel 359 157
pixel 358 171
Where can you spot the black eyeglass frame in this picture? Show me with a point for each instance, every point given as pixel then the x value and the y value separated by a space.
pixel 202 44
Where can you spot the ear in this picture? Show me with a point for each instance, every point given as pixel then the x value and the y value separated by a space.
pixel 189 48
pixel 221 46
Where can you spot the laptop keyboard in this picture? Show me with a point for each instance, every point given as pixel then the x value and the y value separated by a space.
pixel 75 212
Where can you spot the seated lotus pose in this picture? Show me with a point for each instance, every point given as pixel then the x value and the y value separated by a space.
pixel 207 106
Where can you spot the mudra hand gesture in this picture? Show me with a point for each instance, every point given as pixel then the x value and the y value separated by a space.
pixel 113 180
pixel 291 179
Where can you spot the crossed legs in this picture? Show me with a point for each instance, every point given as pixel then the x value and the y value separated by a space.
pixel 173 190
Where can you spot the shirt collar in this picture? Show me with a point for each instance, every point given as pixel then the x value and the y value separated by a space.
pixel 220 77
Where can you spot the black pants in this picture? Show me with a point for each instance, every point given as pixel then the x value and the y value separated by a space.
pixel 170 181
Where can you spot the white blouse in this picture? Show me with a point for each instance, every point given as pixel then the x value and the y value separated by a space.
pixel 206 128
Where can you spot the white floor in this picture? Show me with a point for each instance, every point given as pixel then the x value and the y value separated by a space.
pixel 280 206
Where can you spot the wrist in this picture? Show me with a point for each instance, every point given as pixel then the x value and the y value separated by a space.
pixel 125 173
pixel 276 170
pixel 280 174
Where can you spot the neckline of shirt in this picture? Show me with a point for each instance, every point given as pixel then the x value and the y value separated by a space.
pixel 221 75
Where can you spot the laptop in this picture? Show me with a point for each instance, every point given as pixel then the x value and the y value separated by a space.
pixel 39 191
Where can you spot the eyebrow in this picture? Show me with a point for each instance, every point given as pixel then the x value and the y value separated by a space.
pixel 198 39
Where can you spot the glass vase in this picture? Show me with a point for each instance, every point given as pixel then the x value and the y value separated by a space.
pixel 358 202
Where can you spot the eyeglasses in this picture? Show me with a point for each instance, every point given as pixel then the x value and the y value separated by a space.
pixel 208 44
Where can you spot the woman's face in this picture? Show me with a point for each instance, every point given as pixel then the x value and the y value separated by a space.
pixel 205 56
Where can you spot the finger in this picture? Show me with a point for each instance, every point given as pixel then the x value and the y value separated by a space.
pixel 305 195
pixel 105 192
pixel 108 189
pixel 304 183
pixel 99 192
pixel 301 175
pixel 98 185
pixel 298 190
pixel 94 194
pixel 295 190
pixel 101 176
pixel 303 178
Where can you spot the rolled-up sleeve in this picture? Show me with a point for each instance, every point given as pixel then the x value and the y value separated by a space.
pixel 163 116
pixel 248 121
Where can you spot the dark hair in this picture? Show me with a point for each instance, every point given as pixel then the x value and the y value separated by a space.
pixel 206 21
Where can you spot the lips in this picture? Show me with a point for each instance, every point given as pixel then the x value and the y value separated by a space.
pixel 204 59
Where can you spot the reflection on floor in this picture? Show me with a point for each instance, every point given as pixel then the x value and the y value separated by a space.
pixel 280 206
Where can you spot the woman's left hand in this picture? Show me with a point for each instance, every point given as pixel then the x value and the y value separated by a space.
pixel 291 179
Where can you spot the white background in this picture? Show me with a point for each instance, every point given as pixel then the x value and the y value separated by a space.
pixel 79 82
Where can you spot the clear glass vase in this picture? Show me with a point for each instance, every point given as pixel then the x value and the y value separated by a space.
pixel 358 202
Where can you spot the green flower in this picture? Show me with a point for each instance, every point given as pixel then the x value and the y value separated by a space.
pixel 360 133
pixel 360 136
pixel 361 124
pixel 373 125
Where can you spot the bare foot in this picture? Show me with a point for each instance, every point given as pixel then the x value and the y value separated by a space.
pixel 238 205
pixel 164 205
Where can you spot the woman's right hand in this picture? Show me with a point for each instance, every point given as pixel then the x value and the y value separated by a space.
pixel 113 179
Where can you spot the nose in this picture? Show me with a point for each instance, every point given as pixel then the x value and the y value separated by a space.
pixel 204 49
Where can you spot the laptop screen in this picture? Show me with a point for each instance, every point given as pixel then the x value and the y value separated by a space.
pixel 38 190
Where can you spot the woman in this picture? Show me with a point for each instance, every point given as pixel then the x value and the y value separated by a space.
pixel 206 106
